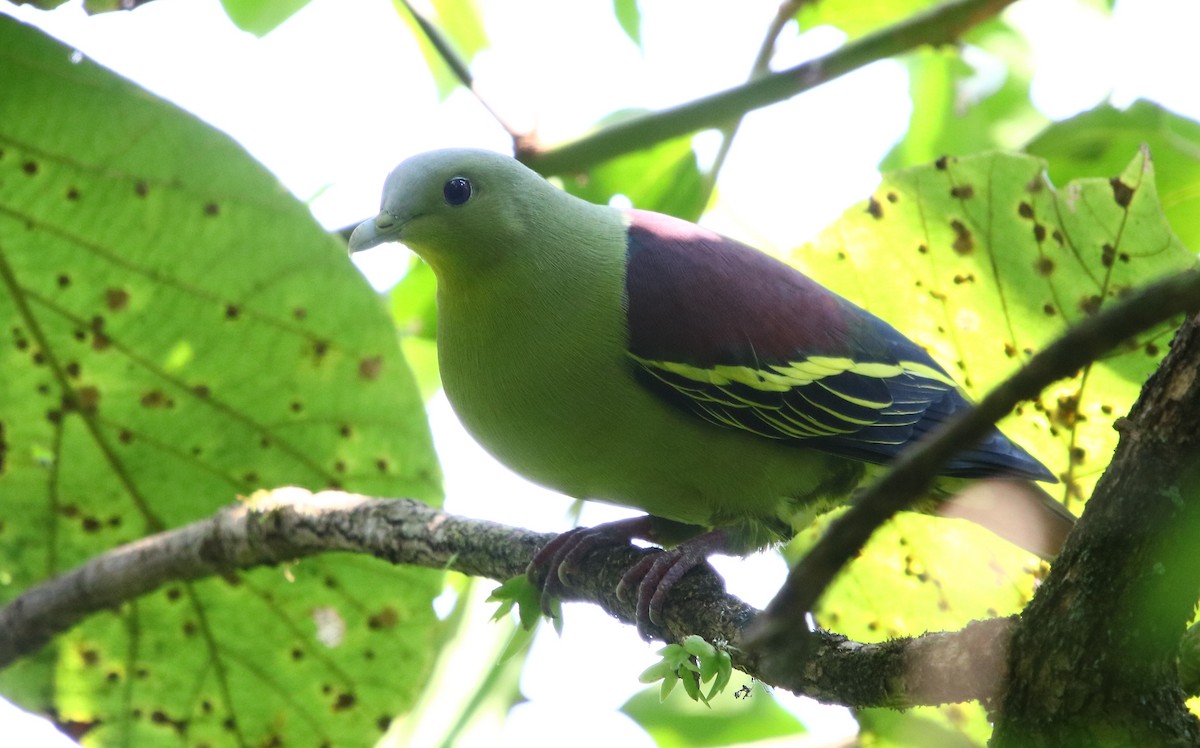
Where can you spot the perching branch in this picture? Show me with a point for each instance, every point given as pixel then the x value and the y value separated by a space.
pixel 942 25
pixel 914 471
pixel 287 524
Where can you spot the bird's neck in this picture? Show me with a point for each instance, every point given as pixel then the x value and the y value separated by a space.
pixel 555 263
pixel 545 310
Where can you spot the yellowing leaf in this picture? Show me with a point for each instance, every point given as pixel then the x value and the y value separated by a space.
pixel 982 261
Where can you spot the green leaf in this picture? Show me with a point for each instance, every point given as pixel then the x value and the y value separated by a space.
pixel 46 4
pixel 458 24
pixel 668 685
pixel 697 647
pixel 310 651
pixel 691 686
pixel 461 22
pixel 179 331
pixel 960 109
pixel 518 643
pixel 921 574
pixel 709 667
pixel 695 661
pixel 414 301
pixel 1098 143
pixel 521 592
pixel 676 721
pixel 661 670
pixel 888 728
pixel 665 178
pixel 724 673
pixel 422 357
pixel 859 17
pixel 630 17
pixel 414 309
pixel 260 17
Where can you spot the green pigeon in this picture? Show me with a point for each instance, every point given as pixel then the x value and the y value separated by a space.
pixel 638 359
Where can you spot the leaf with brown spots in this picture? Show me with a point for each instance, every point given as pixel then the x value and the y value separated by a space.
pixel 1098 143
pixel 874 208
pixel 900 584
pixel 1040 259
pixel 152 370
pixel 1026 291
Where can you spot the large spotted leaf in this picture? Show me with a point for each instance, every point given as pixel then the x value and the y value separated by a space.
pixel 177 332
pixel 983 262
pixel 1098 143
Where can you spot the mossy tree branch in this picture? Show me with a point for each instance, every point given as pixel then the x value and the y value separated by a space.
pixel 1096 659
pixel 287 524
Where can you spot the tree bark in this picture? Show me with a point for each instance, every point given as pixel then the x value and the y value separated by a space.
pixel 1092 661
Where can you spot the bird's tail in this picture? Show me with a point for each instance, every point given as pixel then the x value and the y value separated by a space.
pixel 1017 510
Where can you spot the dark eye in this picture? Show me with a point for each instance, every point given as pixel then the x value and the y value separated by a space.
pixel 457 191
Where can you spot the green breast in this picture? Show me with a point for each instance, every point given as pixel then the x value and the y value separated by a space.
pixel 534 359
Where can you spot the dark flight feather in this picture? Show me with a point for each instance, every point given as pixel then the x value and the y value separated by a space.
pixel 746 341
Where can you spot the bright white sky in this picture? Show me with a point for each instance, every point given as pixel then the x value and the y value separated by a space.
pixel 338 95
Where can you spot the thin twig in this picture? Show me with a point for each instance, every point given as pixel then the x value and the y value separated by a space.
pixel 458 66
pixel 761 67
pixel 943 25
pixel 914 471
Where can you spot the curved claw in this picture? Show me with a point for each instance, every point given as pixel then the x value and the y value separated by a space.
pixel 649 581
pixel 657 578
pixel 545 570
pixel 654 577
pixel 542 561
pixel 553 565
pixel 668 576
pixel 632 579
